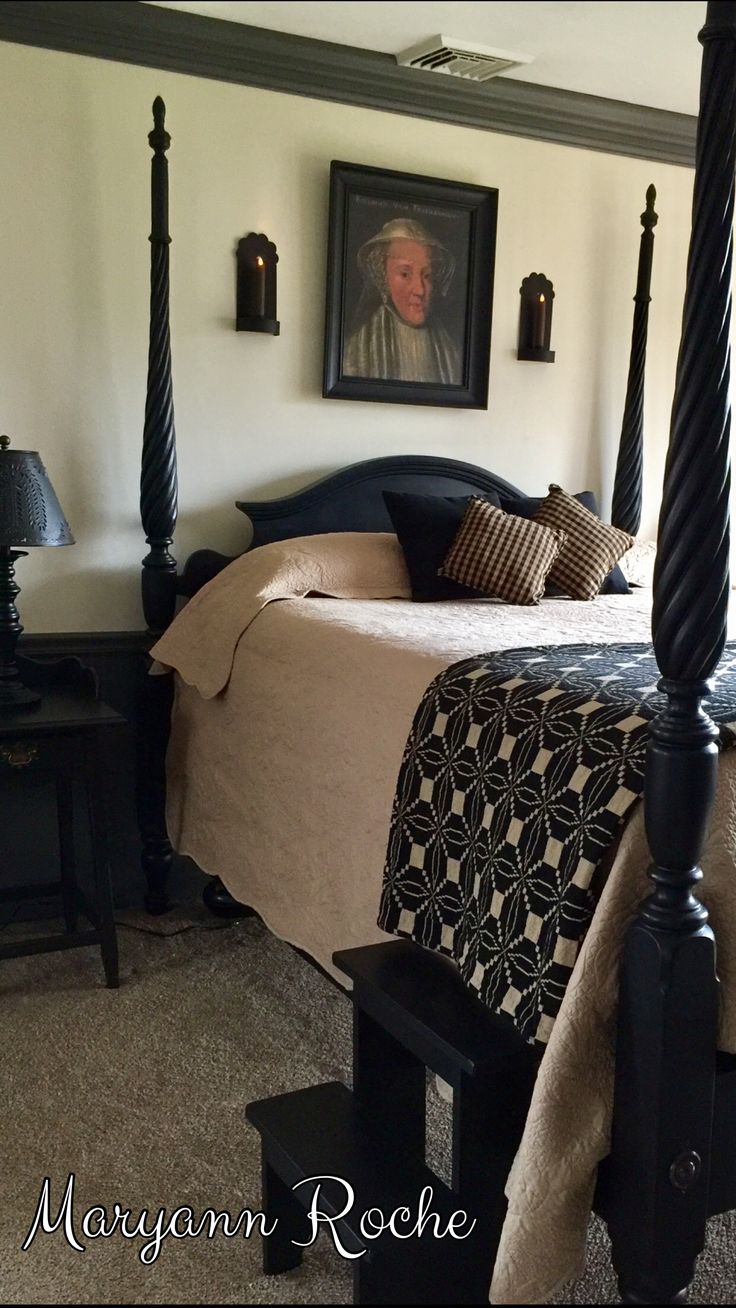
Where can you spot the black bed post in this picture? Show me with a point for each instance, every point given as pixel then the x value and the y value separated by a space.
pixel 158 515
pixel 158 463
pixel 626 507
pixel 668 1009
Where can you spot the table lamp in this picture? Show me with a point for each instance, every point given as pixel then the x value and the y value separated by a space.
pixel 30 514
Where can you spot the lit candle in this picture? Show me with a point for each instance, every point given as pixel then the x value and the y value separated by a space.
pixel 259 288
pixel 539 325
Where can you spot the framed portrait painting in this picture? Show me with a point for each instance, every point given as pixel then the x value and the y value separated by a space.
pixel 409 288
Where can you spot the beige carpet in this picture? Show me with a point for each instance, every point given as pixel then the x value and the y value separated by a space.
pixel 141 1093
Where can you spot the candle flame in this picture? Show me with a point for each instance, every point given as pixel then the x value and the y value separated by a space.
pixel 259 261
pixel 541 299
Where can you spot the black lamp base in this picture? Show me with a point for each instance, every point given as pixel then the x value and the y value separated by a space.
pixel 14 695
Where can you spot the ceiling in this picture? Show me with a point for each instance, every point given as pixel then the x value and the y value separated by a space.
pixel 643 51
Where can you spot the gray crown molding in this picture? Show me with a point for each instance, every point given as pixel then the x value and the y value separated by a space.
pixel 136 33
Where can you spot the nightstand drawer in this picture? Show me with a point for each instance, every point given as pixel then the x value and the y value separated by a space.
pixel 26 756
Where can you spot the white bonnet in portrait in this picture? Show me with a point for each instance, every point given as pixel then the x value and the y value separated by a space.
pixel 372 254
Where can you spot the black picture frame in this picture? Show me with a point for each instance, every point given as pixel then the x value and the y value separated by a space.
pixel 365 334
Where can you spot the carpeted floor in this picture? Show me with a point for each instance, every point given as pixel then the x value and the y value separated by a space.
pixel 140 1093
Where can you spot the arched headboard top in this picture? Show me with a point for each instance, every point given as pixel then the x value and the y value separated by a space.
pixel 352 499
pixel 348 500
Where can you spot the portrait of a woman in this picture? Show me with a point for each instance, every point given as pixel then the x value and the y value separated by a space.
pixel 409 288
pixel 398 334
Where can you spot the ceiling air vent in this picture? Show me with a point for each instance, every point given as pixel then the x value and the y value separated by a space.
pixel 476 63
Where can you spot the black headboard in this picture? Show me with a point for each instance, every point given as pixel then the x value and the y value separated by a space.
pixel 352 499
pixel 348 500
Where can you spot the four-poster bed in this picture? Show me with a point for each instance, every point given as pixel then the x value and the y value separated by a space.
pixel 671 1160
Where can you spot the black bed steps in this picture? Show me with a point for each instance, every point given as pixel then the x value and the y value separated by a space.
pixel 411 1011
pixel 320 1133
pixel 420 998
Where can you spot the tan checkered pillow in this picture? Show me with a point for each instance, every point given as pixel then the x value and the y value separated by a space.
pixel 590 550
pixel 502 555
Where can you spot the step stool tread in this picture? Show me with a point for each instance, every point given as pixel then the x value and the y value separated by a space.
pixel 320 1131
pixel 420 997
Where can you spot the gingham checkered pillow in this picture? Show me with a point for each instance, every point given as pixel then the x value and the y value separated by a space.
pixel 502 555
pixel 590 550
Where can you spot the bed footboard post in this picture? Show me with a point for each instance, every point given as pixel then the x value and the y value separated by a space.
pixel 158 505
pixel 626 505
pixel 668 1011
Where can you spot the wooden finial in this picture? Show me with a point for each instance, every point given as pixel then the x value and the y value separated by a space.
pixel 649 218
pixel 4 442
pixel 159 139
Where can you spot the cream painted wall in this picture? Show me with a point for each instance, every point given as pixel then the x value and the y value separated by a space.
pixel 74 206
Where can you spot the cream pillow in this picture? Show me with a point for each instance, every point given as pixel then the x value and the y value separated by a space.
pixel 637 564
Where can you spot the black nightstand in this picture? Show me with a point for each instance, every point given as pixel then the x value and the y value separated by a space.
pixel 57 741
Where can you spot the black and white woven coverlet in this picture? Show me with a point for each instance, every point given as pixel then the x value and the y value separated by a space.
pixel 516 778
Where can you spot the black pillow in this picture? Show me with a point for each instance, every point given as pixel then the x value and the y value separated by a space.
pixel 525 507
pixel 426 526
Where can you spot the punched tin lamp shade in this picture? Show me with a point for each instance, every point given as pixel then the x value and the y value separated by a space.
pixel 30 513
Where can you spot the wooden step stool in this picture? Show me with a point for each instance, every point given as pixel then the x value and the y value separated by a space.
pixel 411 1011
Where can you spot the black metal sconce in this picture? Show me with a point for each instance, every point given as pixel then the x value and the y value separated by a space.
pixel 256 285
pixel 535 319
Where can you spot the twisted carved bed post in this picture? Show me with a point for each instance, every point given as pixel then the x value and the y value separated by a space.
pixel 668 1007
pixel 626 506
pixel 158 463
pixel 158 514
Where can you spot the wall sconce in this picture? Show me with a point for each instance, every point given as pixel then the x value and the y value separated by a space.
pixel 535 319
pixel 256 285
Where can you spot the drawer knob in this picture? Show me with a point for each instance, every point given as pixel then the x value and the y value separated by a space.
pixel 685 1170
pixel 18 756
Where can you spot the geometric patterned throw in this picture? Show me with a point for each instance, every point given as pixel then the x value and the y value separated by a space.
pixel 516 778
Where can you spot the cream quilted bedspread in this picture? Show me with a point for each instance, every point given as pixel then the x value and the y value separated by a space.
pixel 282 785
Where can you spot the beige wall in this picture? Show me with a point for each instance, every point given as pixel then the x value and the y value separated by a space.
pixel 74 216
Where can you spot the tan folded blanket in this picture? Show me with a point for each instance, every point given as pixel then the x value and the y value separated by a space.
pixel 202 639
